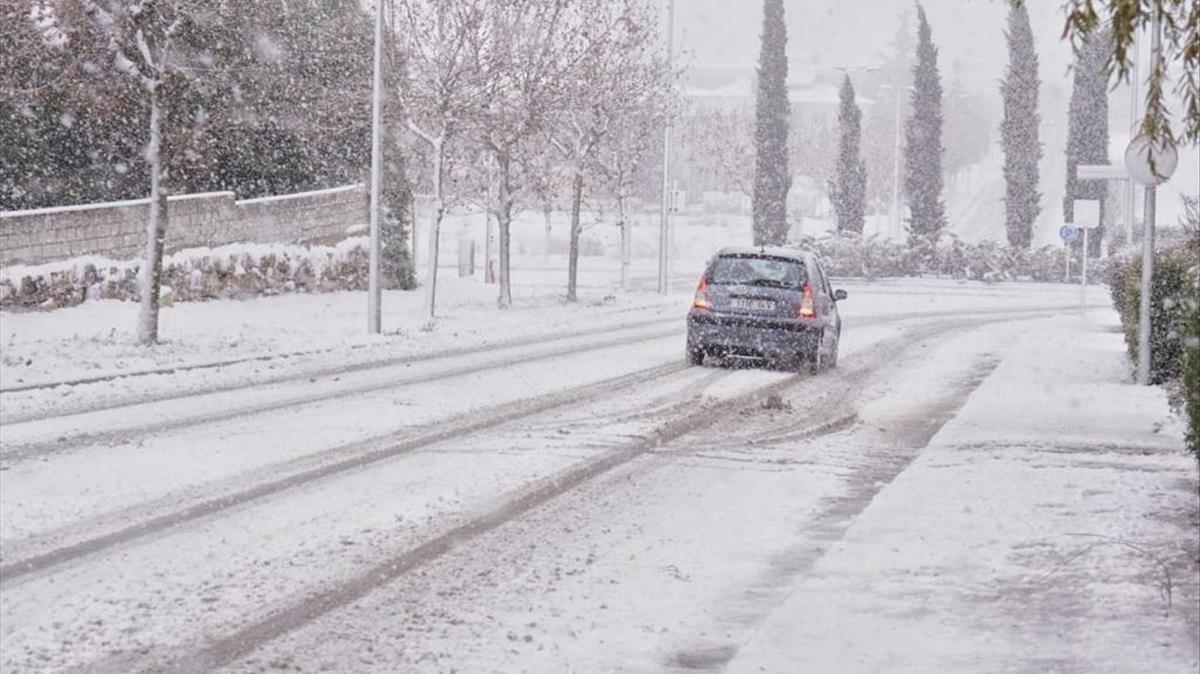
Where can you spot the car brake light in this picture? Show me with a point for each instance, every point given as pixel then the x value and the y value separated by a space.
pixel 701 300
pixel 807 309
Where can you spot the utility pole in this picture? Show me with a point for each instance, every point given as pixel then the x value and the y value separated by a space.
pixel 374 289
pixel 665 226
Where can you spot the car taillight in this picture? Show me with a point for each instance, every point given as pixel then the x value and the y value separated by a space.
pixel 701 300
pixel 807 309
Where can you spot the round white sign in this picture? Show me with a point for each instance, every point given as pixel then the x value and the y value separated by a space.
pixel 1151 162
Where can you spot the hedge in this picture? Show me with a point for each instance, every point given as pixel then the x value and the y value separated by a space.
pixel 237 270
pixel 873 257
pixel 1175 323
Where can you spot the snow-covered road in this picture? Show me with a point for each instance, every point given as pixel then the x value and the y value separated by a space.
pixel 572 497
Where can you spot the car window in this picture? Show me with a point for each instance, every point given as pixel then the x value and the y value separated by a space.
pixel 822 285
pixel 761 271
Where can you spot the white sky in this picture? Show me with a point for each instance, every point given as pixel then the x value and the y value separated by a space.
pixel 852 32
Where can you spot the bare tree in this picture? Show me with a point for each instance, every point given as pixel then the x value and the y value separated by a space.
pixel 621 153
pixel 441 92
pixel 521 56
pixel 547 185
pixel 719 145
pixel 614 69
pixel 143 40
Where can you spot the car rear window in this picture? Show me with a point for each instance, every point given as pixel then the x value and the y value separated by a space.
pixel 773 272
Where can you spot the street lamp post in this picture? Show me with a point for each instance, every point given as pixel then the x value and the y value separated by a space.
pixel 665 224
pixel 374 288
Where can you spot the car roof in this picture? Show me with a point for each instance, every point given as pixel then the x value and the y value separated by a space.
pixel 767 251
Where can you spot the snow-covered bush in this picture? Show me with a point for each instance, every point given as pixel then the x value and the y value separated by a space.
pixel 1171 296
pixel 872 257
pixel 234 271
pixel 1175 322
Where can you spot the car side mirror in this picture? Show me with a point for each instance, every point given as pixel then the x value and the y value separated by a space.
pixel 839 295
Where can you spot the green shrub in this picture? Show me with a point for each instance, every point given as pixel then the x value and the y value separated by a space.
pixel 1175 319
pixel 1191 378
pixel 1171 295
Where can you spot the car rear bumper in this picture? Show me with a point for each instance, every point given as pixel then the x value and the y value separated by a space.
pixel 733 334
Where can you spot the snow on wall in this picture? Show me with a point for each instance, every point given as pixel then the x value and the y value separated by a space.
pixel 117 230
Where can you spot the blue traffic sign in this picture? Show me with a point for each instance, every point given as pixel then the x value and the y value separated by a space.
pixel 1068 233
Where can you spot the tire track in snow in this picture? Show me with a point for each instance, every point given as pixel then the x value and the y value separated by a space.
pixel 229 648
pixel 834 516
pixel 363 452
pixel 494 549
pixel 10 454
pixel 339 370
pixel 466 424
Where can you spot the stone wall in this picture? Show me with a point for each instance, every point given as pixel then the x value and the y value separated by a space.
pixel 117 230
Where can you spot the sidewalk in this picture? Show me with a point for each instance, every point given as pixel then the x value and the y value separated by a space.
pixel 1051 526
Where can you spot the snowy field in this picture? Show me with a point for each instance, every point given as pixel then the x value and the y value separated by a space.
pixel 550 488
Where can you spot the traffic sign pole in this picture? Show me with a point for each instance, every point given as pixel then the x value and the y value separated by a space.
pixel 1151 162
pixel 1083 273
pixel 1143 364
pixel 1068 234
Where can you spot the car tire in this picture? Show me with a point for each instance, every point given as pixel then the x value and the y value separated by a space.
pixel 695 355
pixel 817 360
pixel 814 360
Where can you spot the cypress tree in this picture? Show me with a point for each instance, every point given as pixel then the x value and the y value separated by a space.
pixel 1019 131
pixel 923 146
pixel 1087 130
pixel 850 190
pixel 771 177
pixel 396 263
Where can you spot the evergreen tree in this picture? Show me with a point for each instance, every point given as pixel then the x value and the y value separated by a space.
pixel 396 260
pixel 1087 130
pixel 771 177
pixel 270 103
pixel 850 190
pixel 923 145
pixel 1019 131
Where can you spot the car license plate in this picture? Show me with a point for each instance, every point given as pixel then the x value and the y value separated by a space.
pixel 753 305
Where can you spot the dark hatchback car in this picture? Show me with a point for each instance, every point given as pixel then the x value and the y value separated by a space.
pixel 772 304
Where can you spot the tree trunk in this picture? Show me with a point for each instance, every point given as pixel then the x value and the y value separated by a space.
pixel 412 219
pixel 546 211
pixel 626 238
pixel 504 220
pixel 156 230
pixel 435 228
pixel 573 252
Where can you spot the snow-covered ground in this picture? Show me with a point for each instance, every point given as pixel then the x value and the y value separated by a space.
pixel 1051 525
pixel 549 488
